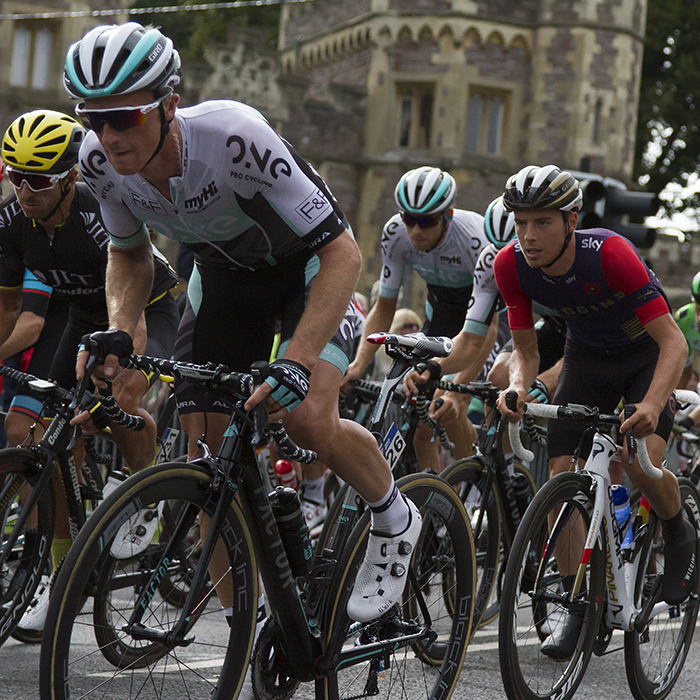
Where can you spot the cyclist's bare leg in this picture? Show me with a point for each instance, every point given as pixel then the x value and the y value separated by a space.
pixel 461 433
pixel 351 449
pixel 569 547
pixel 664 495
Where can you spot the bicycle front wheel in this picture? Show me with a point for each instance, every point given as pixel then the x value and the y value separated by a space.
pixel 90 649
pixel 537 598
pixel 655 656
pixel 28 558
pixel 443 557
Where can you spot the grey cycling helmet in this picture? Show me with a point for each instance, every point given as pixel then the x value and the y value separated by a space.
pixel 499 224
pixel 120 58
pixel 425 191
pixel 547 187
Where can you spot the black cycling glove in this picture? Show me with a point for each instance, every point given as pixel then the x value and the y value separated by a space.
pixel 289 381
pixel 103 343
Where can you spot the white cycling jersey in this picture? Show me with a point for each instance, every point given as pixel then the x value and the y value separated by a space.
pixel 244 198
pixel 450 264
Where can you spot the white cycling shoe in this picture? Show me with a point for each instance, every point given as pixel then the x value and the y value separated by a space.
pixel 382 575
pixel 136 533
pixel 31 625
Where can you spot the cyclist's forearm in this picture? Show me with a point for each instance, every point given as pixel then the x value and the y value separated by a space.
pixel 669 366
pixel 10 308
pixel 128 286
pixel 25 333
pixel 469 354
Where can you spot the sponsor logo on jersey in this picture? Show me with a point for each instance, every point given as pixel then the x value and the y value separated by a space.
pixel 248 155
pixel 451 259
pixel 592 243
pixel 142 202
pixel 199 200
pixel 314 206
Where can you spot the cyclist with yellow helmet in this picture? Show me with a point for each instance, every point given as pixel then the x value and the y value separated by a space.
pixel 51 226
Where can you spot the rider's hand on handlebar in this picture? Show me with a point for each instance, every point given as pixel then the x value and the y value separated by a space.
pixel 352 373
pixel 643 421
pixel 107 347
pixel 513 415
pixel 413 379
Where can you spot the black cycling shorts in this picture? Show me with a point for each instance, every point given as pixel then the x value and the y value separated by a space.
pixel 602 377
pixel 231 318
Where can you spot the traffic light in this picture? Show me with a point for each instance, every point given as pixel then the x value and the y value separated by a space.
pixel 625 211
pixel 607 203
pixel 591 214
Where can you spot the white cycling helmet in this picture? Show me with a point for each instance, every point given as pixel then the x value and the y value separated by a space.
pixel 120 58
pixel 499 224
pixel 425 191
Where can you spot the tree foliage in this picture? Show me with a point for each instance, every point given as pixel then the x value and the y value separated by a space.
pixel 668 126
pixel 193 31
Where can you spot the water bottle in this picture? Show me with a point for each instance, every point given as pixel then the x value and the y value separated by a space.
pixel 621 500
pixel 293 529
pixel 286 476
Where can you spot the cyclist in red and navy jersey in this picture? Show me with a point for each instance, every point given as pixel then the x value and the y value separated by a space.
pixel 621 342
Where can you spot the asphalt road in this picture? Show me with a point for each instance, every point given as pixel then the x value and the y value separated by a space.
pixel 480 680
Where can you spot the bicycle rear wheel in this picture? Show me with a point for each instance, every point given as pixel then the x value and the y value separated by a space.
pixel 29 557
pixel 469 478
pixel 444 552
pixel 535 597
pixel 86 652
pixel 655 656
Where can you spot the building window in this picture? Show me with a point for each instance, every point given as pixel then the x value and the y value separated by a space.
pixel 486 117
pixel 597 115
pixel 32 46
pixel 415 115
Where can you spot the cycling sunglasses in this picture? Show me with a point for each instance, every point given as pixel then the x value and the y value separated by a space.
pixel 35 181
pixel 420 221
pixel 120 119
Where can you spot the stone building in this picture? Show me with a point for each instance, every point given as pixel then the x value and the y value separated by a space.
pixel 368 89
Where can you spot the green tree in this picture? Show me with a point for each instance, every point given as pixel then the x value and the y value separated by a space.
pixel 192 31
pixel 668 126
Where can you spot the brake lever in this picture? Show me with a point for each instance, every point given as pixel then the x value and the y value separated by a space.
pixel 629 409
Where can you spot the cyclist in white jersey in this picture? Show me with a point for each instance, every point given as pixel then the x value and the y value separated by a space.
pixel 442 244
pixel 270 243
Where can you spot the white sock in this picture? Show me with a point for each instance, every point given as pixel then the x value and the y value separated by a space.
pixel 391 515
pixel 313 489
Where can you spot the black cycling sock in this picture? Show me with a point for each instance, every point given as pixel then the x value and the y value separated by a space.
pixel 674 528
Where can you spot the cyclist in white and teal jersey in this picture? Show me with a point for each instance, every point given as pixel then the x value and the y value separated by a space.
pixel 270 242
pixel 442 244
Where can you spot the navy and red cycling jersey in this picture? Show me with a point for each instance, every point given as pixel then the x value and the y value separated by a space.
pixel 606 297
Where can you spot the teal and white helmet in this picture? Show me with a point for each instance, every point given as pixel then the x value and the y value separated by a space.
pixel 425 191
pixel 499 224
pixel 117 59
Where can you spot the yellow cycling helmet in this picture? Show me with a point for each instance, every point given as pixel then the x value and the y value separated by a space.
pixel 42 141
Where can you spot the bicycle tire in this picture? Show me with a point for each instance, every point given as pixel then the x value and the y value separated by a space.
pixel 213 666
pixel 30 556
pixel 465 475
pixel 533 599
pixel 443 517
pixel 654 658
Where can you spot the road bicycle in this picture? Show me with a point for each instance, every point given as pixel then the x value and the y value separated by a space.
pixel 26 486
pixel 612 588
pixel 494 500
pixel 113 634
